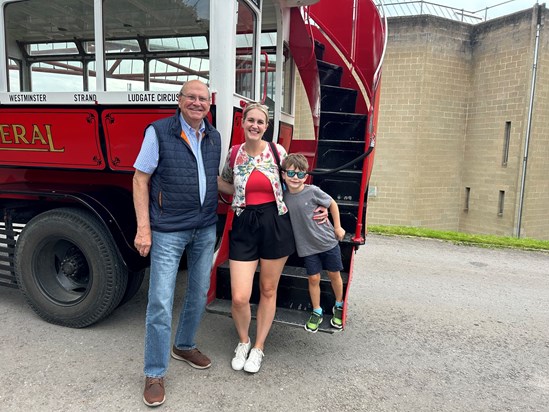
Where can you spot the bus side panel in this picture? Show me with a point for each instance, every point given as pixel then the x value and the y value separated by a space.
pixel 50 179
pixel 124 129
pixel 59 138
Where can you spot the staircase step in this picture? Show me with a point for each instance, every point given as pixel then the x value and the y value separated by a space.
pixel 344 185
pixel 348 241
pixel 342 126
pixel 289 317
pixel 330 74
pixel 332 154
pixel 348 216
pixel 337 99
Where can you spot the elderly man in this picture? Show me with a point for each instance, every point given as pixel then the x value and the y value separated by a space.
pixel 175 199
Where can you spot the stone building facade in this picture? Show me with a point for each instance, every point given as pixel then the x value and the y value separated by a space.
pixel 454 122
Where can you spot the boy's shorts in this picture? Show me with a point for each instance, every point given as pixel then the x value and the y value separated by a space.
pixel 261 233
pixel 329 260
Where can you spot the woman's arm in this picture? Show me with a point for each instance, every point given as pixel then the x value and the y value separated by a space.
pixel 224 187
pixel 225 180
pixel 320 214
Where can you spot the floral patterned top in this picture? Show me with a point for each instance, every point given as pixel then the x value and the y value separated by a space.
pixel 244 164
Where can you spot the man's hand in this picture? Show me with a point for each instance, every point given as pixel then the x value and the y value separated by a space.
pixel 320 214
pixel 143 241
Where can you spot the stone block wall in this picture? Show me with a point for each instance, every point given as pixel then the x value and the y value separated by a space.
pixel 449 91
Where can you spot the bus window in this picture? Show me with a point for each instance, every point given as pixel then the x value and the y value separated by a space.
pixel 155 45
pixel 287 81
pixel 51 49
pixel 14 75
pixel 268 54
pixel 122 46
pixel 52 75
pixel 125 74
pixel 42 37
pixel 56 76
pixel 245 51
pixel 178 43
pixel 168 73
pixel 268 69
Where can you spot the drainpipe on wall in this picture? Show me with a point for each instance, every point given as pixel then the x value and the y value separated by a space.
pixel 529 123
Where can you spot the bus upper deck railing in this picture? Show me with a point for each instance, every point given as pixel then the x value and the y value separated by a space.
pixel 415 8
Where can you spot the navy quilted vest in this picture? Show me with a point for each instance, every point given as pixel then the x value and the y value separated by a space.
pixel 174 195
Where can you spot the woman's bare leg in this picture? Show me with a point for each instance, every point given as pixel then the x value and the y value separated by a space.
pixel 271 269
pixel 242 277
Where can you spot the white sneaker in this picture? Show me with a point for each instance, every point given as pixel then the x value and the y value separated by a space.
pixel 240 355
pixel 253 363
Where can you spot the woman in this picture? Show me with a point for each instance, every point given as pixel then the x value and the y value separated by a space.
pixel 261 232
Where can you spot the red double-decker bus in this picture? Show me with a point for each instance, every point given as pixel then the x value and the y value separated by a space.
pixel 79 82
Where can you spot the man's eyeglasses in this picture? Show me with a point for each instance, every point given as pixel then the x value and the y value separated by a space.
pixel 192 98
pixel 292 173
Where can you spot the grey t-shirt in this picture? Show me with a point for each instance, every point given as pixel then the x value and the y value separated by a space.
pixel 310 237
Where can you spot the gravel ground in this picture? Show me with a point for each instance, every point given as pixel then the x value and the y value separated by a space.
pixel 431 327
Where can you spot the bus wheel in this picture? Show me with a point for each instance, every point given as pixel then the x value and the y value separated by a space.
pixel 68 268
pixel 135 279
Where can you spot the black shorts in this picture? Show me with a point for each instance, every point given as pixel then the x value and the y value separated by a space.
pixel 260 232
pixel 329 260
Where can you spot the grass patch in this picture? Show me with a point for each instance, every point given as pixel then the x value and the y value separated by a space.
pixel 463 238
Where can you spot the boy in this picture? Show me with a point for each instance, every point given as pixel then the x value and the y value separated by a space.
pixel 317 244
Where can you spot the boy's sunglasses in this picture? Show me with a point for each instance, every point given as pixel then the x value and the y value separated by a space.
pixel 292 173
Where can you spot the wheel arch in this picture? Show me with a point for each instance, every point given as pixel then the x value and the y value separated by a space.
pixel 113 206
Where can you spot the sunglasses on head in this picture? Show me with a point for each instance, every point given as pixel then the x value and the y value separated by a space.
pixel 292 173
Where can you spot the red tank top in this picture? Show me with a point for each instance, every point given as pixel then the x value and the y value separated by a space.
pixel 259 189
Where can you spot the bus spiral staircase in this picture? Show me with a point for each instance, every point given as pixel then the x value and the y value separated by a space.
pixel 342 87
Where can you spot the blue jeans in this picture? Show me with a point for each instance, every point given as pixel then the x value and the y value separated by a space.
pixel 166 251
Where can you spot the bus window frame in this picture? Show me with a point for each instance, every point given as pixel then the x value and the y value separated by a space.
pixel 256 50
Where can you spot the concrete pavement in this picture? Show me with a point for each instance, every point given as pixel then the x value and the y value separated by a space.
pixel 432 327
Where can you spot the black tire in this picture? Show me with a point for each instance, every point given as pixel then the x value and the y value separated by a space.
pixel 135 279
pixel 68 268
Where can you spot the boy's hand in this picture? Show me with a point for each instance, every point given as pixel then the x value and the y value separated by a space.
pixel 339 232
pixel 320 214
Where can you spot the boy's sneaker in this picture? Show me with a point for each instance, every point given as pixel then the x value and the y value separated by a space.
pixel 337 319
pixel 313 323
pixel 253 363
pixel 240 355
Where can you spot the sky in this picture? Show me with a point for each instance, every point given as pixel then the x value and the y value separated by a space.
pixel 502 9
pixel 509 7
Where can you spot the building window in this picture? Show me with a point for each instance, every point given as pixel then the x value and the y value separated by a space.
pixel 501 201
pixel 506 141
pixel 467 197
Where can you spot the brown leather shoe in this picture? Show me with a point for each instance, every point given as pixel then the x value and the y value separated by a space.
pixel 193 357
pixel 154 394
